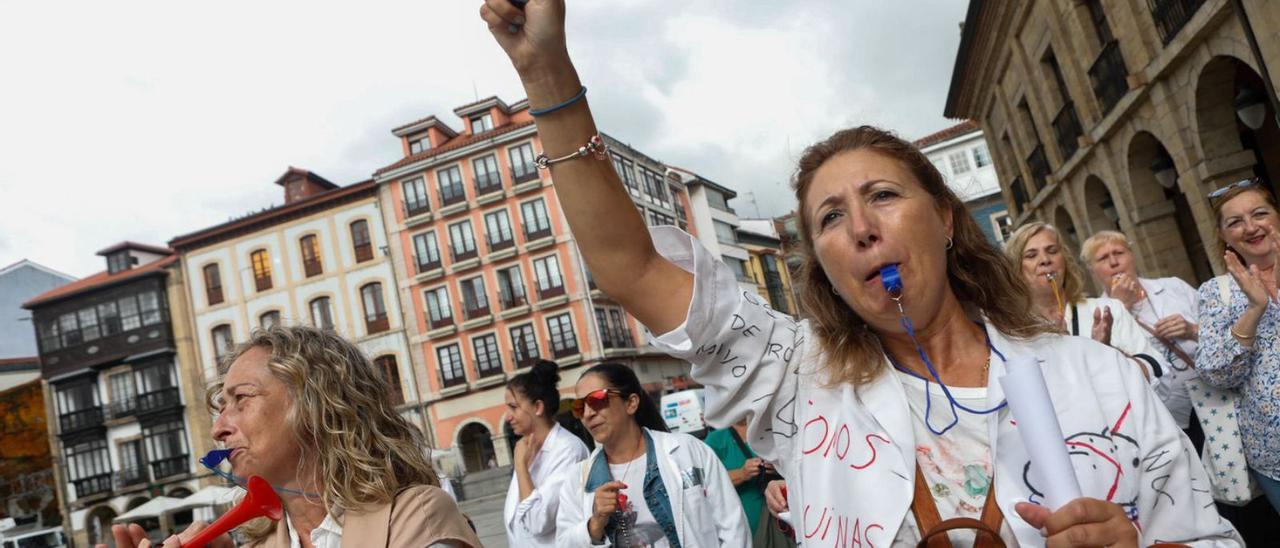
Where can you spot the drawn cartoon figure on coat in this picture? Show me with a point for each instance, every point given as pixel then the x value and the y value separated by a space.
pixel 1109 451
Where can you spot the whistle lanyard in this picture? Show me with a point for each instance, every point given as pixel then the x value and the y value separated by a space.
pixel 893 285
pixel 214 458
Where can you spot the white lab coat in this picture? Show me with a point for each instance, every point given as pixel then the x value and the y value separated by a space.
pixel 1166 297
pixel 848 452
pixel 1126 335
pixel 705 515
pixel 532 522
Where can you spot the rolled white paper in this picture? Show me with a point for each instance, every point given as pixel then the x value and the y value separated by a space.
pixel 1032 407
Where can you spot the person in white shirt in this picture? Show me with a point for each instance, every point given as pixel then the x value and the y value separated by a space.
pixel 1165 309
pixel 643 486
pixel 833 399
pixel 1057 292
pixel 545 449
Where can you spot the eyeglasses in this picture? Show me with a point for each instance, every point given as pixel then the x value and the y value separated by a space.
pixel 596 400
pixel 1243 183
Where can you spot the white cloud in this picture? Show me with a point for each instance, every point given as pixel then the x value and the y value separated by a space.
pixel 146 120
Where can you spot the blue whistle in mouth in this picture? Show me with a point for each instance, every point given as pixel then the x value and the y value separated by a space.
pixel 891 280
pixel 214 458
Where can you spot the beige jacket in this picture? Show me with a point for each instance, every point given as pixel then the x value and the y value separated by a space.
pixel 420 516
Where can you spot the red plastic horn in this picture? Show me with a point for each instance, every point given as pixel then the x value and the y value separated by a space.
pixel 261 501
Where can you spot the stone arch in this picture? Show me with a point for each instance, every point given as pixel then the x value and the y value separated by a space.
pixel 97 524
pixel 1066 225
pixel 1160 221
pixel 475 446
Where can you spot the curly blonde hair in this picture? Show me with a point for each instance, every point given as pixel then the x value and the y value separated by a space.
pixel 1072 279
pixel 366 451
pixel 978 273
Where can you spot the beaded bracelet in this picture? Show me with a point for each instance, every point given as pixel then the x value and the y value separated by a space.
pixel 595 145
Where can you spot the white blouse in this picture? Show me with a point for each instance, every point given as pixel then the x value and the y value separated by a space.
pixel 532 521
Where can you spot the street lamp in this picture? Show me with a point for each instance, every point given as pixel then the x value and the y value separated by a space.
pixel 1251 108
pixel 1162 167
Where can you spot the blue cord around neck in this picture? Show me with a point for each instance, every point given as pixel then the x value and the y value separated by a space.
pixel 214 458
pixel 893 285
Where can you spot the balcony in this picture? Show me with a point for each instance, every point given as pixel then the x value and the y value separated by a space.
pixel 472 310
pixel 452 194
pixel 413 209
pixel 80 420
pixel 442 322
pixel 523 174
pixel 1171 15
pixel 550 292
pixel 364 252
pixel 446 382
pixel 431 263
pixel 1066 126
pixel 131 475
pixel 537 234
pixel 522 359
pixel 171 466
pixel 377 324
pixel 466 254
pixel 92 485
pixel 513 301
pixel 504 240
pixel 311 267
pixel 488 183
pixel 1108 75
pixel 124 408
pixel 563 346
pixel 1039 167
pixel 165 398
pixel 262 283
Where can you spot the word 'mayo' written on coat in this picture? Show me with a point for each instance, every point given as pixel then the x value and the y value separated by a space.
pixel 830 528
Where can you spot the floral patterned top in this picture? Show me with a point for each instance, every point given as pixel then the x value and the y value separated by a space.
pixel 1255 372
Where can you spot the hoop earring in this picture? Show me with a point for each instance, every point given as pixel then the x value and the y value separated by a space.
pixel 834 292
pixel 950 243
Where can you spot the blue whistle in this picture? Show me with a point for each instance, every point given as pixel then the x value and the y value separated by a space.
pixel 891 280
pixel 214 458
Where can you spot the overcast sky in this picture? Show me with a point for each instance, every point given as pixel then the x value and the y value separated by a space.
pixel 145 120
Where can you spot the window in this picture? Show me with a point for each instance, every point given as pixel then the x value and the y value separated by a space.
pixel 360 240
pixel 522 167
pixel 420 144
pixel 547 273
pixel 321 313
pixel 462 241
pixel 261 269
pixel 613 328
pixel 1002 226
pixel 120 386
pixel 132 460
pixel 386 366
pixel 450 360
pixel 310 255
pixel 269 319
pixel 485 169
pixel 488 357
pixel 450 182
pixel 415 197
pixel 89 465
pixel 70 329
pixel 438 310
pixel 511 287
pixel 624 168
pixel 739 268
pixel 725 233
pixel 117 262
pixel 212 284
pixel 658 219
pixel 109 318
pixel 1099 19
pixel 536 223
pixel 497 228
pixel 375 313
pixel 481 123
pixel 655 189
pixel 78 405
pixel 621 330
pixel 129 317
pixel 563 340
pixel 717 200
pixel 426 252
pixel 157 386
pixel 524 345
pixel 50 336
pixel 959 162
pixel 981 156
pixel 149 303
pixel 167 447
pixel 222 342
pixel 475 302
pixel 89 324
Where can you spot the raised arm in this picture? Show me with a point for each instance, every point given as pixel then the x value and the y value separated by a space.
pixel 612 236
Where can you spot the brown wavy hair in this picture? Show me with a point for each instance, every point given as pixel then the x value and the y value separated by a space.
pixel 366 452
pixel 978 273
pixel 1072 277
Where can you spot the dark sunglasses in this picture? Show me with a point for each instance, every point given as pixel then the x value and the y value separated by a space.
pixel 1243 183
pixel 596 400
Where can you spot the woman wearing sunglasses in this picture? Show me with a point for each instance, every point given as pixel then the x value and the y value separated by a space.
pixel 643 486
pixel 545 449
pixel 880 408
pixel 1240 323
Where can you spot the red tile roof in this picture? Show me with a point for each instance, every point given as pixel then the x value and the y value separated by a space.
pixel 134 245
pixel 269 217
pixel 453 144
pixel 101 279
pixel 444 128
pixel 963 128
pixel 306 174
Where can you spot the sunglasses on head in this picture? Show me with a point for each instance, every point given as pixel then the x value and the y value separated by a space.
pixel 1243 183
pixel 596 400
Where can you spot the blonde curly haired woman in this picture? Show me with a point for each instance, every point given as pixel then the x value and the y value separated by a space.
pixel 305 409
